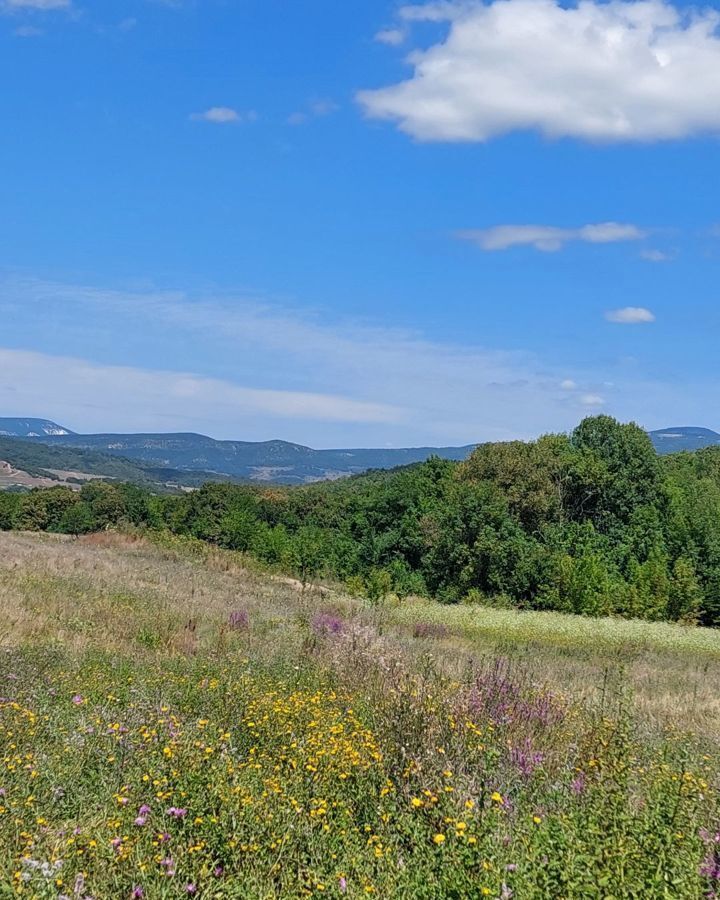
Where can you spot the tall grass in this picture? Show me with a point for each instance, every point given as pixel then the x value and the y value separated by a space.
pixel 176 726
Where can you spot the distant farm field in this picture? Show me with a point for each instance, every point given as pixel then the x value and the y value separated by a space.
pixel 175 725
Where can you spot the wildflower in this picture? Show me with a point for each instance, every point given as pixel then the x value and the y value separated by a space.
pixel 144 810
pixel 496 797
pixel 77 699
pixel 537 820
pixel 577 785
pixel 439 839
pixel 218 871
pixel 416 802
pixel 140 821
pixel 176 813
pixel 137 893
pixel 190 888
pixel 342 884
pixel 239 620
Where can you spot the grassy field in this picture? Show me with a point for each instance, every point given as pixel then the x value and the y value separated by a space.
pixel 175 724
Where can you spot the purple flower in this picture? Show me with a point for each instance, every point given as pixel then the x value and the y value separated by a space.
pixel 140 821
pixel 144 810
pixel 218 871
pixel 191 888
pixel 137 892
pixel 430 630
pixel 116 843
pixel 177 813
pixel 239 620
pixel 342 884
pixel 77 699
pixel 325 624
pixel 577 785
pixel 526 759
pixel 169 866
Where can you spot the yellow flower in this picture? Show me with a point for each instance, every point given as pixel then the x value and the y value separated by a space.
pixel 537 820
pixel 439 839
pixel 416 802
pixel 496 797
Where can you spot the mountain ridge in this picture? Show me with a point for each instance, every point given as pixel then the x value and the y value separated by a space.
pixel 274 461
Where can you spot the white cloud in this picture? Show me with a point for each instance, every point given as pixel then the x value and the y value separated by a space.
pixel 592 400
pixel 317 109
pixel 630 315
pixel 391 36
pixel 28 31
pixel 548 237
pixel 599 71
pixel 263 365
pixel 36 4
pixel 656 256
pixel 223 115
pixel 139 397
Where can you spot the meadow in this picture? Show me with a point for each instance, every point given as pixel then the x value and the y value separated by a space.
pixel 175 722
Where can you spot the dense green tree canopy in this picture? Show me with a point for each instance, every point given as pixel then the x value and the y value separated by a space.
pixel 592 523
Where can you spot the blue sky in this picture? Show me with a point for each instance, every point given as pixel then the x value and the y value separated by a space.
pixel 358 223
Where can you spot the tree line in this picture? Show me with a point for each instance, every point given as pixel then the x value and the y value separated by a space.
pixel 593 522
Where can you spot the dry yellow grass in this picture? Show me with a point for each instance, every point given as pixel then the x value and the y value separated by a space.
pixel 126 595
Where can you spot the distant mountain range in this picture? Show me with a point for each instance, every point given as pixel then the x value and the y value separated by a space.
pixel 278 462
pixel 673 440
pixel 185 458
pixel 30 428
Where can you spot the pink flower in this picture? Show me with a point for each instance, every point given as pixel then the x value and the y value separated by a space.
pixel 140 821
pixel 137 893
pixel 342 885
pixel 177 813
pixel 77 699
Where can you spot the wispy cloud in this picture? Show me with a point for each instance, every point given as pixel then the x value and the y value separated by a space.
pixel 224 115
pixel 316 109
pixel 254 369
pixel 35 4
pixel 656 256
pixel 621 71
pixel 591 400
pixel 549 238
pixel 139 397
pixel 391 36
pixel 28 31
pixel 630 315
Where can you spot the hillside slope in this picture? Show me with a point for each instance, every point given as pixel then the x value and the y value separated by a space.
pixel 271 461
pixel 674 440
pixel 42 464
pixel 27 428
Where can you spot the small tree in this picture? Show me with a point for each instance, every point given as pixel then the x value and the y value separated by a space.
pixel 378 585
pixel 77 519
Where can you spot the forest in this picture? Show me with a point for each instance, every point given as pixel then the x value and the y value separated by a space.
pixel 593 522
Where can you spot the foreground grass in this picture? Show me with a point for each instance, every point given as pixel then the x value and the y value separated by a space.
pixel 175 727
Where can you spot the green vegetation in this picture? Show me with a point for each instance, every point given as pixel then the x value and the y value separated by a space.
pixel 172 725
pixel 45 461
pixel 594 523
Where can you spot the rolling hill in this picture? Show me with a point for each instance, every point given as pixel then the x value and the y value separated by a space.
pixel 674 440
pixel 266 461
pixel 26 428
pixel 188 458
